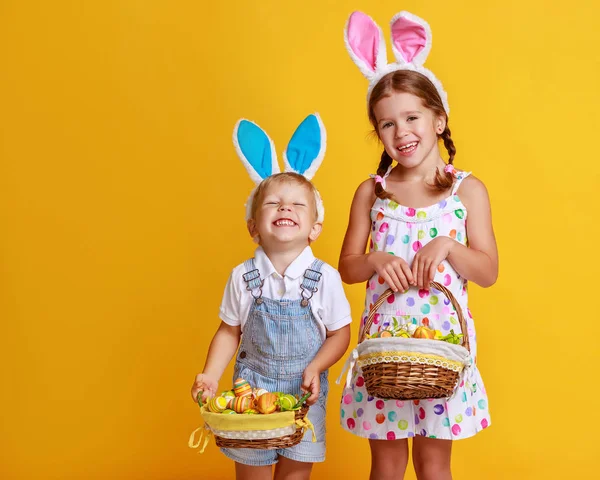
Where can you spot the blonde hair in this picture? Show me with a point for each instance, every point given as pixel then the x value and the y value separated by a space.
pixel 279 178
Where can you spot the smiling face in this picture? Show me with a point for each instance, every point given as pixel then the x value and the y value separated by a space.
pixel 284 214
pixel 408 130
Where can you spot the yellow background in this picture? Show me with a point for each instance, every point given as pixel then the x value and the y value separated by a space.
pixel 122 215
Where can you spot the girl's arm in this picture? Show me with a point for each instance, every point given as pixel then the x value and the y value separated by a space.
pixel 479 261
pixel 357 266
pixel 331 351
pixel 222 349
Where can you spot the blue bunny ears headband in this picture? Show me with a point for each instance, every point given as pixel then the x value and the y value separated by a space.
pixel 303 155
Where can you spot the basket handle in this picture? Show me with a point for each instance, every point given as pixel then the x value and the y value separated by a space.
pixel 438 286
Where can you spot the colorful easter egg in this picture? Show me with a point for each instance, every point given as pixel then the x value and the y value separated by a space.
pixel 251 411
pixel 229 412
pixel 217 404
pixel 241 404
pixel 257 392
pixel 267 403
pixel 287 402
pixel 241 388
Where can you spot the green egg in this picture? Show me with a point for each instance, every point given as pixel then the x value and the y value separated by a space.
pixel 421 215
pixel 421 234
pixel 433 232
pixel 402 424
pixel 433 300
pixel 459 213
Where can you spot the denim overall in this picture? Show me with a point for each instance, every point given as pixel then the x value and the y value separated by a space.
pixel 280 339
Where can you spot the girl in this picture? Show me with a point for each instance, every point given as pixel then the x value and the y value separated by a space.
pixel 416 215
pixel 286 307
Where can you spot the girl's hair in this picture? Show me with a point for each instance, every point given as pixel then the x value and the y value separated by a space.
pixel 279 178
pixel 408 81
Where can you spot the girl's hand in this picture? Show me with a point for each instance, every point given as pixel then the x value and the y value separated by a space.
pixel 311 382
pixel 206 384
pixel 394 270
pixel 428 259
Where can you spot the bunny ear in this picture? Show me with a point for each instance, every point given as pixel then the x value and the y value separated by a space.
pixel 365 43
pixel 411 38
pixel 306 149
pixel 255 149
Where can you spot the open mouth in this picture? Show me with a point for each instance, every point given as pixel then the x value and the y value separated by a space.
pixel 408 148
pixel 284 222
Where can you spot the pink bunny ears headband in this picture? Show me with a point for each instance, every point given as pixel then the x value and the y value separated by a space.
pixel 411 43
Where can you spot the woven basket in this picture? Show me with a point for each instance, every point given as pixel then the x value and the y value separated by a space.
pixel 266 443
pixel 396 368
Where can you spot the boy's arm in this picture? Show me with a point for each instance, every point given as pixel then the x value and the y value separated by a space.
pixel 222 349
pixel 331 351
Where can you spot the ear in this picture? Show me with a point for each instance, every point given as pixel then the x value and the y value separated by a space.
pixel 411 38
pixel 251 225
pixel 315 231
pixel 365 43
pixel 306 148
pixel 440 124
pixel 255 149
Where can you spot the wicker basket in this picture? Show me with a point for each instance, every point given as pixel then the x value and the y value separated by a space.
pixel 412 368
pixel 262 432
pixel 267 443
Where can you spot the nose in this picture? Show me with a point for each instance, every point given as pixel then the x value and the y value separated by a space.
pixel 284 207
pixel 401 132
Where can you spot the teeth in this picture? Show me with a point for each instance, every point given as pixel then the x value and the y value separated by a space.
pixel 284 223
pixel 408 145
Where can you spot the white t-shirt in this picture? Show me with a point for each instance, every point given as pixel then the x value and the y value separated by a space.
pixel 328 304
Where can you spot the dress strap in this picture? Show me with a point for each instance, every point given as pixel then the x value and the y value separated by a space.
pixel 379 179
pixel 253 281
pixel 310 282
pixel 460 176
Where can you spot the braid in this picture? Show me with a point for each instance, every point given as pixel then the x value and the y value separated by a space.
pixel 384 164
pixel 444 180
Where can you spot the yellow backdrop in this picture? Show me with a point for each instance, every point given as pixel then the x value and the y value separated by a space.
pixel 122 215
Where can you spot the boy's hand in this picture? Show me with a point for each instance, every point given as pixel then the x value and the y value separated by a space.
pixel 206 384
pixel 311 382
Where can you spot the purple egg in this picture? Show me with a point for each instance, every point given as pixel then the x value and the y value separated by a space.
pixel 424 433
pixel 370 398
pixel 438 409
pixel 468 412
pixel 417 420
pixel 389 239
pixel 446 325
pixel 446 301
pixel 410 434
pixel 443 203
pixel 410 301
pixel 359 412
pixel 373 436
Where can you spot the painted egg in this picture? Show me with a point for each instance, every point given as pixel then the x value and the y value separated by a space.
pixel 251 411
pixel 266 403
pixel 229 412
pixel 257 392
pixel 287 402
pixel 217 404
pixel 241 404
pixel 241 388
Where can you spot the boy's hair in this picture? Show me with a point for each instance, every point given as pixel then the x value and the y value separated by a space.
pixel 278 178
pixel 408 81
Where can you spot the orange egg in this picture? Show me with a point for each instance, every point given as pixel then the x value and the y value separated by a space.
pixel 241 404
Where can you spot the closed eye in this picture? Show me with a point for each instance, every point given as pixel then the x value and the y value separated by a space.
pixel 300 204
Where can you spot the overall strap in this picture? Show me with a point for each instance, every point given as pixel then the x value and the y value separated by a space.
pixel 253 281
pixel 310 281
pixel 460 176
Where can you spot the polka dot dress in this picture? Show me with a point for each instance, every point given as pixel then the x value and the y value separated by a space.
pixel 403 231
